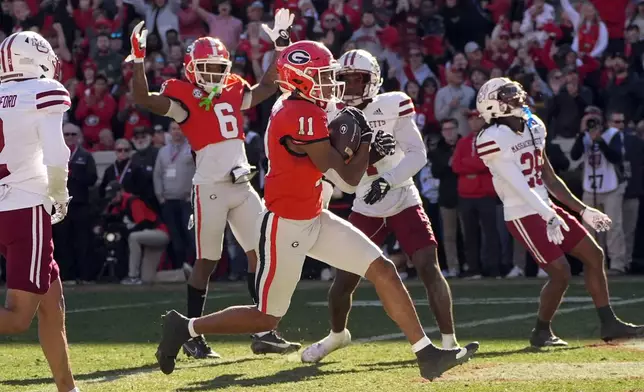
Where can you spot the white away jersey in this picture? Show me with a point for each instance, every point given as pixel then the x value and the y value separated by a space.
pixel 31 138
pixel 498 144
pixel 393 113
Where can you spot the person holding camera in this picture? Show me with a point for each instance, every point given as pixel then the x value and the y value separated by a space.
pixel 603 180
pixel 148 237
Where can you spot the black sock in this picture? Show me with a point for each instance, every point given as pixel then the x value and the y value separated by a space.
pixel 250 281
pixel 196 301
pixel 606 314
pixel 542 325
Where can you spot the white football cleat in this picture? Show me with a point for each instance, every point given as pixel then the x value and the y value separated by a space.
pixel 516 272
pixel 334 341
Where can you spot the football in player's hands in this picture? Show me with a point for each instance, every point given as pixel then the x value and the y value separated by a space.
pixel 344 134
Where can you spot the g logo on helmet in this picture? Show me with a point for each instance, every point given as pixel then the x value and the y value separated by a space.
pixel 298 57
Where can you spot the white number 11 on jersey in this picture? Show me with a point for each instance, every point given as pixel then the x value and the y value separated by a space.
pixel 310 126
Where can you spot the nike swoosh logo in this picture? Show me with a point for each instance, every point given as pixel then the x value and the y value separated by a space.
pixel 461 353
pixel 191 351
pixel 279 345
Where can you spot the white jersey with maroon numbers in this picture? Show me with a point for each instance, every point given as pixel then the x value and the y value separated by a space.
pixel 31 138
pixel 525 150
pixel 393 113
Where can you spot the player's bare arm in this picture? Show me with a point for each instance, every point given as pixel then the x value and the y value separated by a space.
pixel 280 34
pixel 155 103
pixel 558 188
pixel 325 157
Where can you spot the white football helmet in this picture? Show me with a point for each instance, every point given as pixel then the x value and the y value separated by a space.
pixel 360 61
pixel 501 97
pixel 27 55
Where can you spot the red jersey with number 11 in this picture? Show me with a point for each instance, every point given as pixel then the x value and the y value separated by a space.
pixel 293 188
pixel 216 135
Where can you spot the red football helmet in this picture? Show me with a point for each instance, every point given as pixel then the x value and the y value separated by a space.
pixel 308 68
pixel 207 64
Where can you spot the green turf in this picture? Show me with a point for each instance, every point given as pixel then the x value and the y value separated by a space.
pixel 113 333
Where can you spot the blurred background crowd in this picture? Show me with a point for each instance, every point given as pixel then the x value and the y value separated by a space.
pixel 581 62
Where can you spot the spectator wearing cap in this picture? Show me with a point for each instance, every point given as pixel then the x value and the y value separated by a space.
pixel 144 158
pixel 107 61
pixel 441 157
pixel 160 15
pixel 160 137
pixel 477 202
pixel 72 235
pixel 223 25
pixel 147 238
pixel 333 29
pixel 95 110
pixel 453 100
pixel 591 35
pixel 475 58
pixel 255 12
pixel 173 172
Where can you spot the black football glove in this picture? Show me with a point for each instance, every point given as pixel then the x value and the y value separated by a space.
pixel 377 192
pixel 384 144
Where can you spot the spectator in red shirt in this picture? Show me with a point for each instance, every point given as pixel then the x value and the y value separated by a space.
pixel 477 203
pixel 95 110
pixel 475 57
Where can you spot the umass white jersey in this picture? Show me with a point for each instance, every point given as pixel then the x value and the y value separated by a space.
pixel 498 145
pixel 31 138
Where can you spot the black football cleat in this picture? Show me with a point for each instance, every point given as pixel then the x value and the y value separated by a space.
pixel 620 330
pixel 198 348
pixel 541 339
pixel 272 343
pixel 174 334
pixel 434 361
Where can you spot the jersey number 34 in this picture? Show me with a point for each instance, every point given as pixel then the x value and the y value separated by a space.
pixel 532 163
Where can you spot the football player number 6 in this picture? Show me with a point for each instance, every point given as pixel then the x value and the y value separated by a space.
pixel 227 120
pixel 3 168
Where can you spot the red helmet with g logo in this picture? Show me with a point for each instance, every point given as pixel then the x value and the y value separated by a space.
pixel 207 64
pixel 308 68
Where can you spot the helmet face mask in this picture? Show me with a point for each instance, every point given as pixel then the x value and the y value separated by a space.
pixel 207 64
pixel 360 62
pixel 501 97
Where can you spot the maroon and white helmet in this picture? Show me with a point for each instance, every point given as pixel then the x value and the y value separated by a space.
pixel 27 55
pixel 360 61
pixel 501 97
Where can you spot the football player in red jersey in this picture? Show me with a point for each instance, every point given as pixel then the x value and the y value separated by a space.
pixel 208 107
pixel 295 225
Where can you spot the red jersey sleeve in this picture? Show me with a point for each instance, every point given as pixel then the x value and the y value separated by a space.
pixel 306 124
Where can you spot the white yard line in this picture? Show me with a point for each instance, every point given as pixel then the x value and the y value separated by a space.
pixel 496 320
pixel 143 304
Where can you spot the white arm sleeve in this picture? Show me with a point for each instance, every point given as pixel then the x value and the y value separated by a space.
pixel 513 176
pixel 335 178
pixel 409 140
pixel 55 155
pixel 177 112
pixel 602 41
pixel 248 98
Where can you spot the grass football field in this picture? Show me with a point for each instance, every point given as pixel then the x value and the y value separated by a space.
pixel 113 332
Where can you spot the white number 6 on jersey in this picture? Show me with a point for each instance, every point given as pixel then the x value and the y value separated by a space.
pixel 225 114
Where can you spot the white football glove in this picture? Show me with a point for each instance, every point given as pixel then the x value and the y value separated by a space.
pixel 280 33
pixel 60 211
pixel 553 229
pixel 596 219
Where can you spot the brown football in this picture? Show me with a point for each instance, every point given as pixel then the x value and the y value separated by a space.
pixel 344 135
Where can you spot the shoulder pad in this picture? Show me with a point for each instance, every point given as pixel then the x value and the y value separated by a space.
pixel 395 103
pixel 169 86
pixel 51 96
pixel 487 146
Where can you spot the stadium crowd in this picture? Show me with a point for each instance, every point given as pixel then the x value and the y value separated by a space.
pixel 582 64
